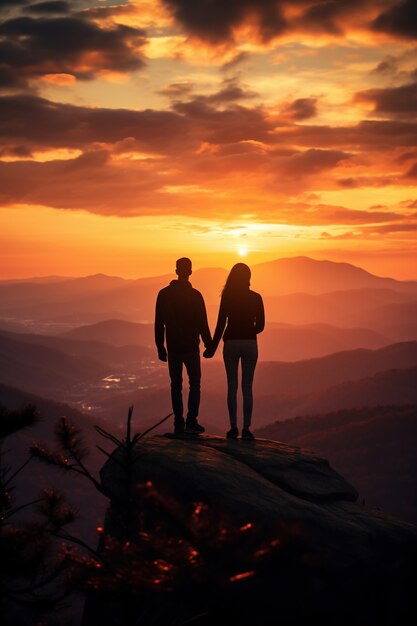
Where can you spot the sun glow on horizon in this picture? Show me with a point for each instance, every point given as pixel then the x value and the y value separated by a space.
pixel 197 152
pixel 71 243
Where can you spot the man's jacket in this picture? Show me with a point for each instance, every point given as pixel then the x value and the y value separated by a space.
pixel 181 314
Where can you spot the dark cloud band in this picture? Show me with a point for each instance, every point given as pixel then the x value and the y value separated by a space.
pixel 32 47
pixel 216 20
pixel 392 101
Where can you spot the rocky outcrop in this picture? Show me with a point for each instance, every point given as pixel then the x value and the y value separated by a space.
pixel 262 481
pixel 227 466
pixel 347 554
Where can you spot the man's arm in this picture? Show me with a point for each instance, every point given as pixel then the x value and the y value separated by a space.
pixel 160 329
pixel 204 327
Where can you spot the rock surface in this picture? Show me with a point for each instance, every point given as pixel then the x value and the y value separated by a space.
pixel 266 482
pixel 334 562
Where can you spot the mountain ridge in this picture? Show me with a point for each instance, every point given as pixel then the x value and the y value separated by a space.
pixel 296 260
pixel 294 290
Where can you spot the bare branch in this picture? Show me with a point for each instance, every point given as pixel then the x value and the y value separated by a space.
pixel 152 427
pixel 108 435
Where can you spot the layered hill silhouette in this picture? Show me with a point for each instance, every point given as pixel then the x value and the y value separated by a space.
pixel 98 349
pixel 373 447
pixel 290 342
pixel 97 298
pixel 348 365
pixel 54 366
pixel 313 307
pixel 278 342
pixel 35 295
pixel 282 390
pixel 392 386
pixel 315 277
pixel 115 332
pixel 43 369
pixel 372 308
pixel 62 368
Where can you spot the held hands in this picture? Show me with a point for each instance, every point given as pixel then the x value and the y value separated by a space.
pixel 162 354
pixel 209 352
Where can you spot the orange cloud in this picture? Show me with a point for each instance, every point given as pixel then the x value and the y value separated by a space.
pixel 215 154
pixel 59 79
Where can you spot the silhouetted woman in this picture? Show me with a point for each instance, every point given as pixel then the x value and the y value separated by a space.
pixel 242 313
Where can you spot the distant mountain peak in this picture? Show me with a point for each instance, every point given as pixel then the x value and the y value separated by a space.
pixel 100 277
pixel 306 261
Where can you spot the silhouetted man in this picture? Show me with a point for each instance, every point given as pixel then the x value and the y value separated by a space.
pixel 181 314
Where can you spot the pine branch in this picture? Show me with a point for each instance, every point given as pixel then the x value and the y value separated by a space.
pixel 71 440
pixel 85 472
pixel 38 451
pixel 79 542
pixel 19 508
pixel 11 421
pixel 18 471
pixel 55 509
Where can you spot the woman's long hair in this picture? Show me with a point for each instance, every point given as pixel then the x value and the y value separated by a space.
pixel 238 280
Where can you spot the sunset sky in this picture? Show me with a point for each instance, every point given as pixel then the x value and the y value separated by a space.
pixel 134 132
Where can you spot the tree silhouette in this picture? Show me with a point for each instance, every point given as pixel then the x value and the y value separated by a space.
pixel 32 571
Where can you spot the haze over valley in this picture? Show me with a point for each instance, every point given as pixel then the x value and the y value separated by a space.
pixel 337 338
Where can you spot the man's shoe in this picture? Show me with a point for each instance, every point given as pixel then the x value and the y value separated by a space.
pixel 193 427
pixel 179 427
pixel 246 434
pixel 233 433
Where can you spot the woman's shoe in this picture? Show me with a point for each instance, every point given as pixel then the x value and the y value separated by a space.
pixel 233 433
pixel 246 434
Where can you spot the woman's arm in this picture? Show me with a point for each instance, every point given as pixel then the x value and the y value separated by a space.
pixel 220 326
pixel 259 316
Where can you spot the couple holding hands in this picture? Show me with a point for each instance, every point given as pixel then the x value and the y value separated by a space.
pixel 181 318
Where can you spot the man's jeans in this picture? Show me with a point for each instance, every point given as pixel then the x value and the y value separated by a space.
pixel 233 351
pixel 191 360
